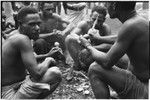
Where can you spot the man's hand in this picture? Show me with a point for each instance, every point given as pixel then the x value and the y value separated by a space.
pixel 47 63
pixel 55 51
pixel 93 34
pixel 55 31
pixel 84 41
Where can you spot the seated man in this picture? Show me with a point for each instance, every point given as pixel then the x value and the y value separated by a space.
pixel 51 22
pixel 133 40
pixel 18 58
pixel 77 52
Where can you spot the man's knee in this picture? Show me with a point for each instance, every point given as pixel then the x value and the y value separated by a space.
pixel 95 69
pixel 55 71
pixel 69 39
pixel 54 75
pixel 85 57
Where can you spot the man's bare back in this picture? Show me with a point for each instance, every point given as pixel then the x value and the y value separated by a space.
pixel 11 71
pixel 138 51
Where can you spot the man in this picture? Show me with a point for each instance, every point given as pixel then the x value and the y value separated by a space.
pixel 51 22
pixel 17 58
pixel 133 40
pixel 76 51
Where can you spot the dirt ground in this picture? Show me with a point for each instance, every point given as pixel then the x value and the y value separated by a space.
pixel 77 88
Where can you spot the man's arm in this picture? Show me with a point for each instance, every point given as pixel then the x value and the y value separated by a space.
pixel 54 52
pixel 107 30
pixel 40 57
pixel 45 35
pixel 25 47
pixel 120 47
pixel 104 47
pixel 108 38
pixel 67 30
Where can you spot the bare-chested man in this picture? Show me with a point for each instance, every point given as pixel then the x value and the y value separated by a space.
pixel 76 50
pixel 50 22
pixel 50 19
pixel 133 40
pixel 18 58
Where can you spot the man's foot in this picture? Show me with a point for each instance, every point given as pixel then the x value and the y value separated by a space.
pixel 70 74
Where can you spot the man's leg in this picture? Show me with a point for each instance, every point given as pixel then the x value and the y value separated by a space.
pixel 85 59
pixel 123 62
pixel 52 77
pixel 100 78
pixel 74 48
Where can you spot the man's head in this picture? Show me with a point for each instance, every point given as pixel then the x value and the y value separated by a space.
pixel 29 21
pixel 116 8
pixel 48 9
pixel 100 12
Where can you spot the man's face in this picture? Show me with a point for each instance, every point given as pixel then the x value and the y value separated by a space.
pixel 111 10
pixel 101 18
pixel 31 26
pixel 48 9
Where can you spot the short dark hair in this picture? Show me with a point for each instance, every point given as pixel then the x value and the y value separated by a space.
pixel 100 10
pixel 125 5
pixel 23 12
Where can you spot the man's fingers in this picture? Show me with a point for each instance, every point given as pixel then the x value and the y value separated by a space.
pixel 48 59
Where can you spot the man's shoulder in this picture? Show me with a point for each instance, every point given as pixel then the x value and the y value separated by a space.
pixel 132 26
pixel 19 38
pixel 134 22
pixel 83 23
pixel 55 15
pixel 107 29
pixel 106 26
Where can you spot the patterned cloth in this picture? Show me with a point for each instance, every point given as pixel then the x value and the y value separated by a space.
pixel 24 90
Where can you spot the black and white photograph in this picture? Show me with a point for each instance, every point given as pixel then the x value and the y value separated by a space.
pixel 74 49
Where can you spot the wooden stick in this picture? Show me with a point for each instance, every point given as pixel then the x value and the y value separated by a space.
pixel 95 22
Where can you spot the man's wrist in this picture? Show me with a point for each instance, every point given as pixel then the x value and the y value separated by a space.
pixel 88 45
